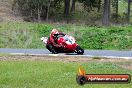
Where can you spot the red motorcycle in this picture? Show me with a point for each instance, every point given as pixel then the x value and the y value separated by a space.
pixel 68 42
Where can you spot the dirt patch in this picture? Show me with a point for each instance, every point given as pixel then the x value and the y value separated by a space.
pixel 61 58
pixel 123 63
pixel 45 58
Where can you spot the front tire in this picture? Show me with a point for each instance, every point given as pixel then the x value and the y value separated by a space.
pixel 79 50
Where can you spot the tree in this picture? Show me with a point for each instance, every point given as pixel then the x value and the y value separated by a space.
pixel 106 13
pixel 128 12
pixel 36 9
pixel 99 5
pixel 115 14
pixel 89 5
pixel 66 9
pixel 115 6
pixel 73 6
pixel 48 9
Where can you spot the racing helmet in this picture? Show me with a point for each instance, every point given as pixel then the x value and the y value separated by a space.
pixel 54 31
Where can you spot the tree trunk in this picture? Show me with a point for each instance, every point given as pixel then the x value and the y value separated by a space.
pixel 73 6
pixel 117 10
pixel 31 13
pixel 39 15
pixel 47 12
pixel 14 2
pixel 66 9
pixel 99 2
pixel 128 12
pixel 117 7
pixel 106 13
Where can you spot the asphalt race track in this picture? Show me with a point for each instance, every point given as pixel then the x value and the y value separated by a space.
pixel 88 53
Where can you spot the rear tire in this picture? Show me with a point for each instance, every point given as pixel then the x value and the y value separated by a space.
pixel 51 49
pixel 79 50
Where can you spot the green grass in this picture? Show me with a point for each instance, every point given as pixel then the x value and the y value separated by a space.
pixel 43 74
pixel 27 35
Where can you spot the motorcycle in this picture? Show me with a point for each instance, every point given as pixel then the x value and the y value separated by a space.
pixel 68 42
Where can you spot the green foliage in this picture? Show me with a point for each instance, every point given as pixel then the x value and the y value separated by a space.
pixel 107 38
pixel 43 30
pixel 90 4
pixel 30 9
pixel 86 11
pixel 27 35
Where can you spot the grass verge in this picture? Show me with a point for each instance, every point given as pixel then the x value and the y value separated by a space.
pixel 56 74
pixel 27 35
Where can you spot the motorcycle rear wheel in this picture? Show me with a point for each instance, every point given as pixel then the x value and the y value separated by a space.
pixel 51 49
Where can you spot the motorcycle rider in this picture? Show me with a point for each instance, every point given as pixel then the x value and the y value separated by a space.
pixel 54 36
pixel 54 47
pixel 51 42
